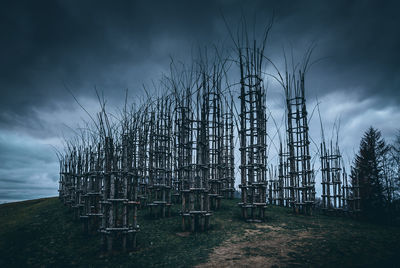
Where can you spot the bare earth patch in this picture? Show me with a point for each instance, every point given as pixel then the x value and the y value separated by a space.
pixel 183 234
pixel 264 246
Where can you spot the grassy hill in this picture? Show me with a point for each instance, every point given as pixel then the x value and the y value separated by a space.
pixel 43 233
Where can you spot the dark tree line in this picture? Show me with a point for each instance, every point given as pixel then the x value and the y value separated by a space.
pixel 376 170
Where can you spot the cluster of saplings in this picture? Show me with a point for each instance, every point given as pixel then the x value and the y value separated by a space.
pixel 177 145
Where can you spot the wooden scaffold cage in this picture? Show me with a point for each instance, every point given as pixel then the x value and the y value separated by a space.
pixel 284 176
pixel 194 168
pixel 92 212
pixel 214 127
pixel 331 171
pixel 252 134
pixel 161 161
pixel 302 181
pixel 228 154
pixel 119 204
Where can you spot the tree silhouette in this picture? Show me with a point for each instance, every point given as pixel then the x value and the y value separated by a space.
pixel 368 169
pixel 395 153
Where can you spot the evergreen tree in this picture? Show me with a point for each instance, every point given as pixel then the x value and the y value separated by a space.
pixel 396 165
pixel 395 170
pixel 369 171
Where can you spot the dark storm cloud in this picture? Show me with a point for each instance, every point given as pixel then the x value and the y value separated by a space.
pixel 114 45
pixel 49 42
pixel 356 41
pixel 110 45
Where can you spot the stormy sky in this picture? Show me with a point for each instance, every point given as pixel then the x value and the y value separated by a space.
pixel 49 46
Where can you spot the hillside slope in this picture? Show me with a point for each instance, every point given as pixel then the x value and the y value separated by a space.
pixel 43 233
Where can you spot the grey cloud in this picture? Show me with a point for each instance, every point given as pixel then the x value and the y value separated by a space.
pixel 28 168
pixel 123 44
pixel 105 44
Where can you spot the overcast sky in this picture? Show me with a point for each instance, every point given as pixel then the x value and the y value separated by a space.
pixel 47 46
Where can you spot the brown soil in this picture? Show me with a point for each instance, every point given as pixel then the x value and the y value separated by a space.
pixel 183 234
pixel 264 246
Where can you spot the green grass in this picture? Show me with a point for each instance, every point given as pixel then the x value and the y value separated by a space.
pixel 43 233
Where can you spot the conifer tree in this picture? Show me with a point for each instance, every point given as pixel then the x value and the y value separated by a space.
pixel 369 170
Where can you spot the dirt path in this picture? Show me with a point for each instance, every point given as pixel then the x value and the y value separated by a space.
pixel 262 246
